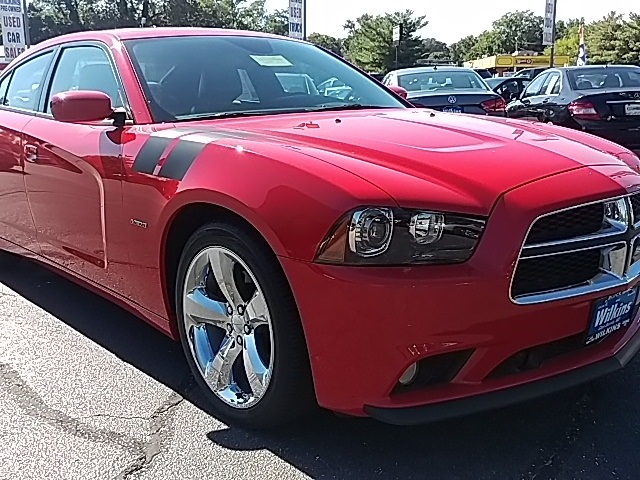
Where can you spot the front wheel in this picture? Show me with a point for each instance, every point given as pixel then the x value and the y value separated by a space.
pixel 240 328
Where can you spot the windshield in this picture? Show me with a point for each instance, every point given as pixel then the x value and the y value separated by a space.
pixel 603 78
pixel 207 76
pixel 441 80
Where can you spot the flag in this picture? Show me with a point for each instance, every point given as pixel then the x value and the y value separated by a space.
pixel 582 49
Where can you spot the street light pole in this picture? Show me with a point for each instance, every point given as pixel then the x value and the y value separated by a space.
pixel 552 51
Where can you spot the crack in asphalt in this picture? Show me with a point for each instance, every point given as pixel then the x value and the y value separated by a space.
pixel 32 404
pixel 115 417
pixel 551 466
pixel 159 423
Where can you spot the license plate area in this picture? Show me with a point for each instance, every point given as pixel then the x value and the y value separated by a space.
pixel 452 109
pixel 632 109
pixel 611 314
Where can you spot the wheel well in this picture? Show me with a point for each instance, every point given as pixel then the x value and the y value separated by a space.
pixel 184 224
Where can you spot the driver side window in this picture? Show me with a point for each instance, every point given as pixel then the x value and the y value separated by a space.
pixel 535 86
pixel 85 68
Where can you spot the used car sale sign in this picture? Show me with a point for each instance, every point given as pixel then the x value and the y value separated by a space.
pixel 296 19
pixel 13 32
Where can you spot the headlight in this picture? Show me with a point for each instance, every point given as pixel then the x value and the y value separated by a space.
pixel 393 236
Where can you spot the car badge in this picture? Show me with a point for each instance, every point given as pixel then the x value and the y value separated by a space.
pixel 452 99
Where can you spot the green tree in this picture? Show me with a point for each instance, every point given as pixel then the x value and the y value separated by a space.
pixel 238 14
pixel 461 50
pixel 369 43
pixel 277 22
pixel 49 18
pixel 605 39
pixel 335 45
pixel 568 44
pixel 564 28
pixel 613 39
pixel 433 49
pixel 488 44
pixel 519 30
pixel 630 40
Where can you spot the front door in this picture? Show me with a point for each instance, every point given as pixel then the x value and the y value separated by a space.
pixel 74 178
pixel 20 91
pixel 529 103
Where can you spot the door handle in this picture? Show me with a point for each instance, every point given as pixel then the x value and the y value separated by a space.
pixel 31 153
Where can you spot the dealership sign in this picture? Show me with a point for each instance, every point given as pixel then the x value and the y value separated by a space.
pixel 549 28
pixel 13 28
pixel 297 27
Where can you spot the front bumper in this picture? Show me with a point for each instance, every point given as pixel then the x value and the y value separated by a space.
pixel 508 396
pixel 365 326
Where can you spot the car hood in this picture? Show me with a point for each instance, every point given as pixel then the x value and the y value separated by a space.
pixel 426 158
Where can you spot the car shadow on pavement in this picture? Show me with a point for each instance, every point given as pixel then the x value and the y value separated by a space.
pixel 586 432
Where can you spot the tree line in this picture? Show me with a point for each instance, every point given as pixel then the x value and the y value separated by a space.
pixel 368 40
pixel 49 18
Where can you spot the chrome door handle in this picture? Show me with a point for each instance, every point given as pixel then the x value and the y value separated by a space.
pixel 31 153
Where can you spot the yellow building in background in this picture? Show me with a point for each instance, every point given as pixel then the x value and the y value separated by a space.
pixel 514 63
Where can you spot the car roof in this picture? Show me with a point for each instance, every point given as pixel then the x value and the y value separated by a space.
pixel 447 68
pixel 121 34
pixel 596 67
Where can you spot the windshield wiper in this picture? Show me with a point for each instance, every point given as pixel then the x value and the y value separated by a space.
pixel 343 106
pixel 255 113
pixel 229 114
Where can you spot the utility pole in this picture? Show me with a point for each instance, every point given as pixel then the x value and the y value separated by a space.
pixel 25 21
pixel 552 51
pixel 304 20
pixel 550 16
pixel 397 36
pixel 145 13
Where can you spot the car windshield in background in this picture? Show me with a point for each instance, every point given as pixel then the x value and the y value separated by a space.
pixel 441 80
pixel 602 78
pixel 245 75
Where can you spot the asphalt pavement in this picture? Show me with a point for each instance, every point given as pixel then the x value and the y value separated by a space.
pixel 88 391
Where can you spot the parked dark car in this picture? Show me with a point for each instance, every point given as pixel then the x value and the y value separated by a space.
pixel 449 89
pixel 602 100
pixel 509 88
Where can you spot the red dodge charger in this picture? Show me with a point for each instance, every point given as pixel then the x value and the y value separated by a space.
pixel 332 247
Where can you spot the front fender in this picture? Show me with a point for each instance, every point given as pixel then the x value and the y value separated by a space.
pixel 291 199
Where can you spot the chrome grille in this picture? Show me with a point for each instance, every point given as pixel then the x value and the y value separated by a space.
pixel 579 250
pixel 635 207
pixel 540 274
pixel 570 223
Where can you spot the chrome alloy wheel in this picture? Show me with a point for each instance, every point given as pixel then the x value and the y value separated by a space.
pixel 228 327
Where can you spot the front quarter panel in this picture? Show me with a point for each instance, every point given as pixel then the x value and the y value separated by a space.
pixel 291 199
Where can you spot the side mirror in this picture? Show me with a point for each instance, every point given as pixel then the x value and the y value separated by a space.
pixel 81 106
pixel 401 92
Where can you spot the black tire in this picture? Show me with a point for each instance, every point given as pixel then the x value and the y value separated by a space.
pixel 290 393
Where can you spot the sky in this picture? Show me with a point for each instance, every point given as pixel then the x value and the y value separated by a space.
pixel 457 19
